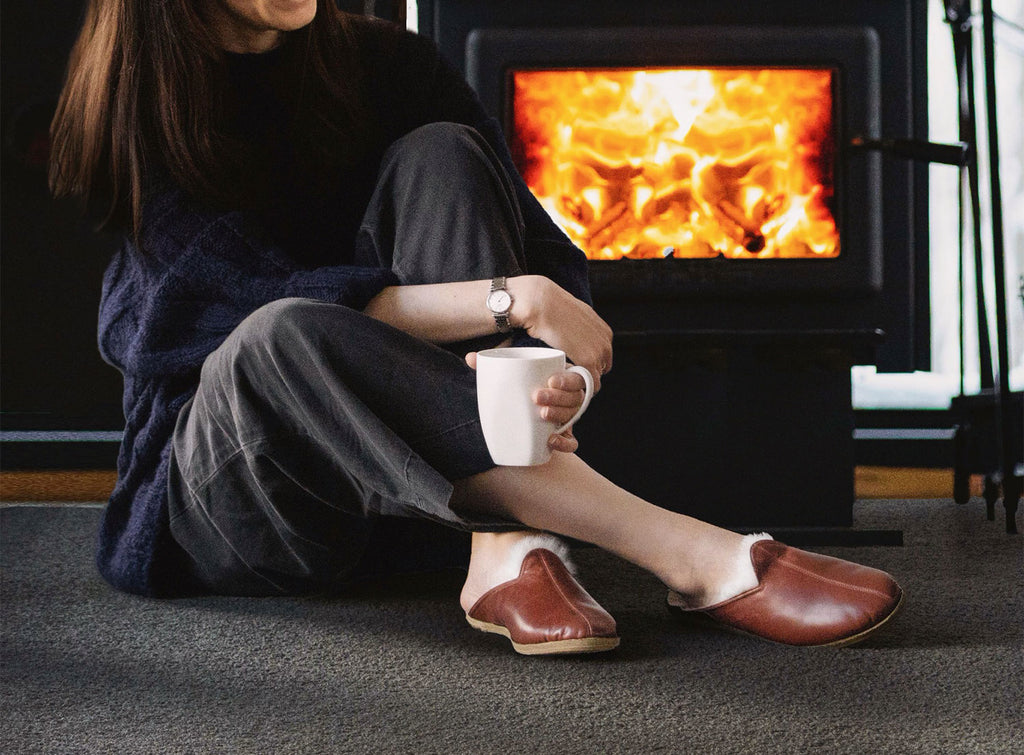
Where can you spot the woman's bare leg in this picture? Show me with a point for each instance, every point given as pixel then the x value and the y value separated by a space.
pixel 567 497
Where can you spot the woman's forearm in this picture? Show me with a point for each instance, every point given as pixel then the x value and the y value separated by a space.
pixel 443 312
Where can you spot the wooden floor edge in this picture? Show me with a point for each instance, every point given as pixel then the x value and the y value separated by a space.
pixel 903 482
pixel 65 485
pixel 96 485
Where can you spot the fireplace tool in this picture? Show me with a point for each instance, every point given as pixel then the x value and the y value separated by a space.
pixel 990 436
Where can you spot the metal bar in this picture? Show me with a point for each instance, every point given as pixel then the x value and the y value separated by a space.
pixel 916 149
pixel 911 433
pixel 1003 404
pixel 963 47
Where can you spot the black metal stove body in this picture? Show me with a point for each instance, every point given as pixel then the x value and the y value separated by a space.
pixel 730 399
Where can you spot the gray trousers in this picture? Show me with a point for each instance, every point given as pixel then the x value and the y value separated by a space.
pixel 314 423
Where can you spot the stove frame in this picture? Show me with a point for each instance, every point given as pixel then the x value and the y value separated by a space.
pixel 850 52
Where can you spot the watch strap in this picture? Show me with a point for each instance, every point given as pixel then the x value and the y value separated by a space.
pixel 501 319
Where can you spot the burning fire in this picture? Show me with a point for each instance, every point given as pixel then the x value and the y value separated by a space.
pixel 681 162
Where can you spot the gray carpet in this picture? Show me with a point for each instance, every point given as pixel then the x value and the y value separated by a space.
pixel 391 667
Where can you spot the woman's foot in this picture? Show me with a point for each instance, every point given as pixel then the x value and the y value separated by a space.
pixel 701 563
pixel 520 585
pixel 799 598
pixel 496 557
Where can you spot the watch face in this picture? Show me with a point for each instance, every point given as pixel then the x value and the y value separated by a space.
pixel 499 301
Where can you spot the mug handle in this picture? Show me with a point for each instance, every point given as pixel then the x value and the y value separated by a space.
pixel 589 380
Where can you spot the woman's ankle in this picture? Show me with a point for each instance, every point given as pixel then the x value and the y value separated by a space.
pixel 733 576
pixel 495 558
pixel 714 566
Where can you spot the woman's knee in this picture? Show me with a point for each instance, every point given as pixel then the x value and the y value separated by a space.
pixel 441 142
pixel 441 156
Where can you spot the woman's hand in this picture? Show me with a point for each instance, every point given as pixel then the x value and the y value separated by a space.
pixel 558 403
pixel 548 312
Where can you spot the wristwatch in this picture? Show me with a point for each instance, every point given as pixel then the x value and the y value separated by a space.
pixel 499 301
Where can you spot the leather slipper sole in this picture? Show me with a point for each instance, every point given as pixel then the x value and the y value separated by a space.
pixel 554 647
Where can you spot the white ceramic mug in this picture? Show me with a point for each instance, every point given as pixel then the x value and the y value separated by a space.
pixel 506 380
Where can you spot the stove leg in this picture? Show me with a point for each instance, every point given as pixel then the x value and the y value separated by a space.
pixel 961 465
pixel 1013 487
pixel 991 494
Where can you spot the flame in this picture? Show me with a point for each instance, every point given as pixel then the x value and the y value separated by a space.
pixel 681 162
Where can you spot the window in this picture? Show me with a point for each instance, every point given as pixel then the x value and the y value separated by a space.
pixel 934 389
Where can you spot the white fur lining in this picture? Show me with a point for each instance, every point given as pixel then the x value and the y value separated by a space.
pixel 513 562
pixel 743 576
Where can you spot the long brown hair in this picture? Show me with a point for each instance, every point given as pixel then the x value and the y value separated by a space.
pixel 144 93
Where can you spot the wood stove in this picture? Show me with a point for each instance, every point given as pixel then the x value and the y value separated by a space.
pixel 748 250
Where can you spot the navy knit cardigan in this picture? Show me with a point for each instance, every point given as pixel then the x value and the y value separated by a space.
pixel 205 270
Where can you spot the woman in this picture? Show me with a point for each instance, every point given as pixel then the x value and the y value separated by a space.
pixel 316 209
